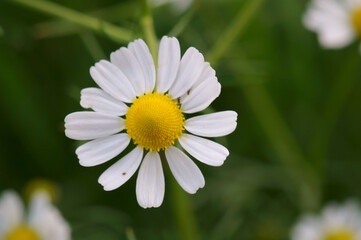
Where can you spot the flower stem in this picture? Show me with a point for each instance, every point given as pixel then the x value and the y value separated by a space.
pixel 115 33
pixel 276 129
pixel 183 211
pixel 146 22
pixel 185 20
pixel 335 102
pixel 238 25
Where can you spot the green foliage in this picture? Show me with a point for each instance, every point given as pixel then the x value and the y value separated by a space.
pixel 296 147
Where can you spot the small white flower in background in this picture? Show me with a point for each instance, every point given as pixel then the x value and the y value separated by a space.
pixel 337 222
pixel 42 222
pixel 337 22
pixel 153 108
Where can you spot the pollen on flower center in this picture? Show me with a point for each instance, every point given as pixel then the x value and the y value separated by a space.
pixel 356 20
pixel 340 235
pixel 22 232
pixel 154 121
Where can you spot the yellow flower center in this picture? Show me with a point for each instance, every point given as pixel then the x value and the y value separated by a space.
pixel 22 233
pixel 154 121
pixel 356 20
pixel 340 235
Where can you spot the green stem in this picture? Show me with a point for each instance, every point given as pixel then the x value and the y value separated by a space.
pixel 147 24
pixel 279 135
pixel 115 33
pixel 93 46
pixel 185 20
pixel 238 25
pixel 284 144
pixel 333 108
pixel 183 211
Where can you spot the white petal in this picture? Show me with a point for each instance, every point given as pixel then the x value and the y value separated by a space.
pixel 100 101
pixel 11 212
pixel 46 219
pixel 168 62
pixel 331 20
pixel 144 57
pixel 190 68
pixel 184 170
pixel 113 81
pixel 92 125
pixel 309 227
pixel 120 172
pixel 101 150
pixel 336 37
pixel 204 150
pixel 202 96
pixel 212 125
pixel 150 182
pixel 207 72
pixel 125 60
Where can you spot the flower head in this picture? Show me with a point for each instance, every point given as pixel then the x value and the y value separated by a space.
pixel 337 22
pixel 43 221
pixel 150 107
pixel 337 222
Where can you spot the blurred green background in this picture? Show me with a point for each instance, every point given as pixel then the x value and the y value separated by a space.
pixel 296 147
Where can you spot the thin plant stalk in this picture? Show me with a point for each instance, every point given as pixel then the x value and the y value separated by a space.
pixel 113 32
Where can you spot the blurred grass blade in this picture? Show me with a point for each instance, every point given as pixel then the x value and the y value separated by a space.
pixel 183 211
pixel 185 20
pixel 93 46
pixel 280 137
pixel 336 100
pixel 115 33
pixel 129 232
pixel 26 119
pixel 146 22
pixel 238 25
pixel 59 28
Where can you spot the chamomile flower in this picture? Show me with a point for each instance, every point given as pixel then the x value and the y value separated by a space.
pixel 337 22
pixel 337 222
pixel 42 222
pixel 134 102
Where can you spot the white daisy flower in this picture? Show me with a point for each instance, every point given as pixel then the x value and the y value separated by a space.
pixel 337 22
pixel 43 221
pixel 337 222
pixel 153 116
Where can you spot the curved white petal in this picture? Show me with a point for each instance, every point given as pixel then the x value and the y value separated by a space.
pixel 100 101
pixel 101 150
pixel 184 170
pixel 144 57
pixel 46 219
pixel 120 172
pixel 202 96
pixel 150 182
pixel 92 125
pixel 113 81
pixel 11 212
pixel 125 60
pixel 212 125
pixel 204 150
pixel 207 72
pixel 168 62
pixel 190 68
